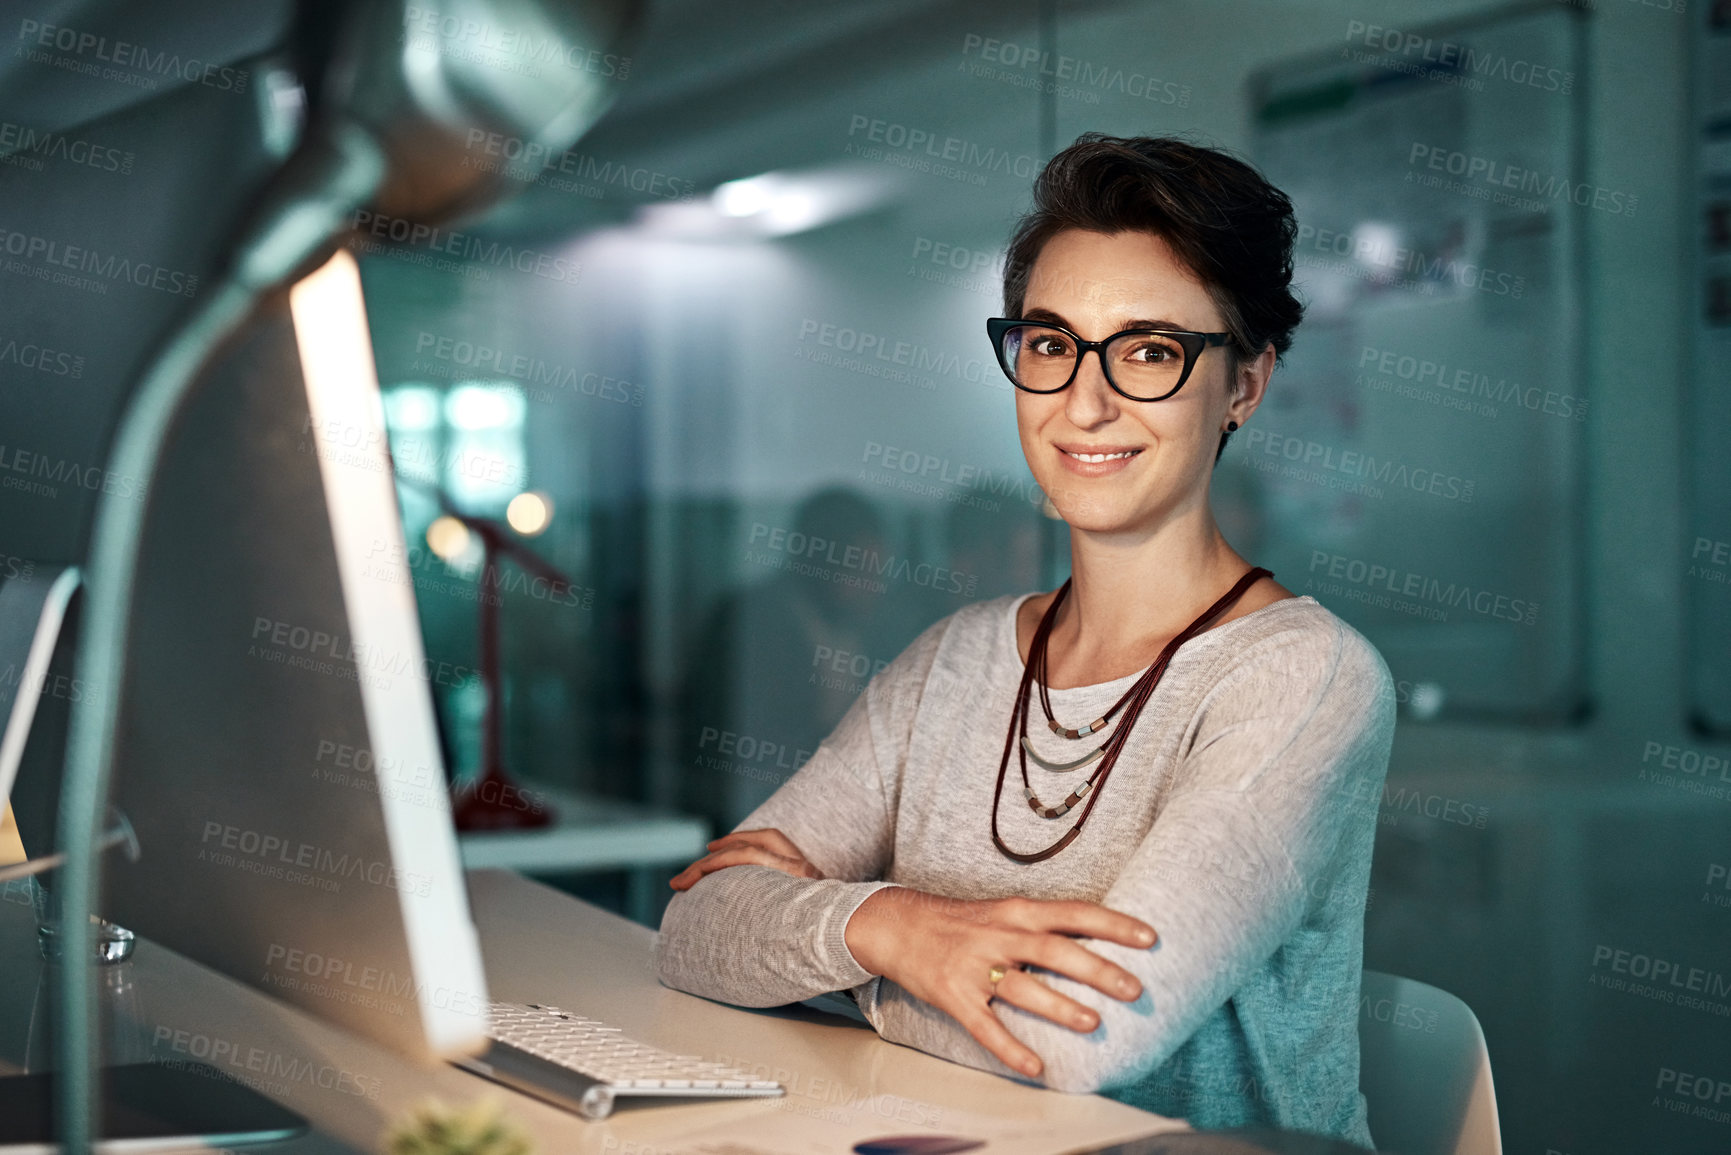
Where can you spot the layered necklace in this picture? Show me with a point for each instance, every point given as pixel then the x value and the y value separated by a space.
pixel 1106 753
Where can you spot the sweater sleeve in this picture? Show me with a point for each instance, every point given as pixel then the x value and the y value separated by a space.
pixel 1286 748
pixel 756 937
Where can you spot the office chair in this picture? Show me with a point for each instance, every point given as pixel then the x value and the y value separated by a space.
pixel 1425 1070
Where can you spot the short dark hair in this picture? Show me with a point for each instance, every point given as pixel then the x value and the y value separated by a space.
pixel 1232 228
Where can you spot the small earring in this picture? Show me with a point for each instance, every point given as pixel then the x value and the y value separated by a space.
pixel 1231 426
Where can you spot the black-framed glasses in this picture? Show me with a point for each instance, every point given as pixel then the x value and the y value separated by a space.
pixel 1140 364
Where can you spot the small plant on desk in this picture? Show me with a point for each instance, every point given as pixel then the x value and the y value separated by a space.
pixel 436 1129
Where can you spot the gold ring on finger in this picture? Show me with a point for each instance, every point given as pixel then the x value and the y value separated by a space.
pixel 996 976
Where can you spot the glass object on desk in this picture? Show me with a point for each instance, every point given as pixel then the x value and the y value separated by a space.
pixel 124 1038
pixel 114 943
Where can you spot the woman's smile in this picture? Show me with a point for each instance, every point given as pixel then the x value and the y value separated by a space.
pixel 1097 461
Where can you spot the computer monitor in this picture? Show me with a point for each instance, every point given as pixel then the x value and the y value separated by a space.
pixel 277 755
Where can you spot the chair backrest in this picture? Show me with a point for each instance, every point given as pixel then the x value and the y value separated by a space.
pixel 1425 1071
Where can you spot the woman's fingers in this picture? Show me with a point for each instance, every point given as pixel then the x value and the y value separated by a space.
pixel 768 838
pixel 1024 990
pixel 740 855
pixel 773 841
pixel 733 856
pixel 1088 919
pixel 941 952
pixel 1073 960
pixel 979 1021
pixel 765 847
pixel 740 838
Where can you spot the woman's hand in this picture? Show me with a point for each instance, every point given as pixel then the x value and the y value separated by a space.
pixel 943 951
pixel 762 847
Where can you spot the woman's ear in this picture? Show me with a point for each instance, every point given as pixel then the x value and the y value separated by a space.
pixel 1250 384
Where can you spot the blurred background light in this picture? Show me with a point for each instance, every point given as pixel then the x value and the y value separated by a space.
pixel 529 513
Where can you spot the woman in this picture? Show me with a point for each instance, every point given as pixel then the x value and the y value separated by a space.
pixel 1195 947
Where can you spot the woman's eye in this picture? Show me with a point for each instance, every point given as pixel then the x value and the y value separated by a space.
pixel 1049 347
pixel 1153 353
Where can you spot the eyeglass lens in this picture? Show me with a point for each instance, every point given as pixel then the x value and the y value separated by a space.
pixel 1143 365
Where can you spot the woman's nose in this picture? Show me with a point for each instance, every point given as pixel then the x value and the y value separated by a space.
pixel 1091 399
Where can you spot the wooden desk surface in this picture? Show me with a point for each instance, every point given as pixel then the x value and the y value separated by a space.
pixel 844 1083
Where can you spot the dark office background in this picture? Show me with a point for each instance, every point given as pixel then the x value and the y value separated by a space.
pixel 745 314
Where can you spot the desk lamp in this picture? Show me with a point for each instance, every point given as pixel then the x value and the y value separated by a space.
pixel 389 119
pixel 481 805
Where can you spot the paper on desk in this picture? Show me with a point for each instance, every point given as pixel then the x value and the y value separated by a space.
pixel 801 1126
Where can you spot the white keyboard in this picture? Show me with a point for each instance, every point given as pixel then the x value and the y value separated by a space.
pixel 583 1065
